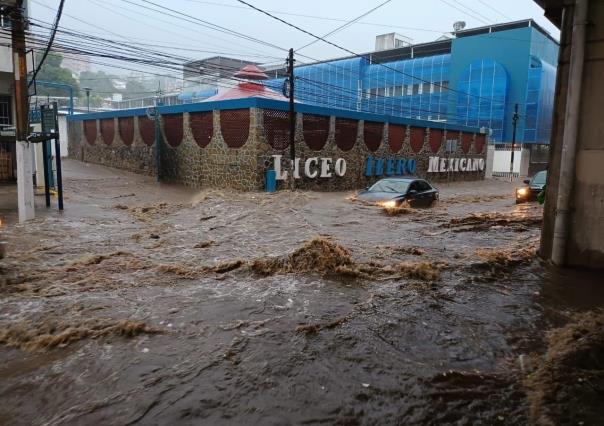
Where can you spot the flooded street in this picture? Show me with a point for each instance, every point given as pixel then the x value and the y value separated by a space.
pixel 156 304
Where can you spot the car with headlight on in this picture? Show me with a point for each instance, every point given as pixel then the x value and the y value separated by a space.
pixel 395 191
pixel 533 187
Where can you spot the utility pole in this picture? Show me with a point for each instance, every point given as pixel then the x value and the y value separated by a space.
pixel 292 115
pixel 25 188
pixel 515 118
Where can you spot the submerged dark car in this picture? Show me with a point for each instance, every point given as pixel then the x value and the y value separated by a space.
pixel 393 192
pixel 533 188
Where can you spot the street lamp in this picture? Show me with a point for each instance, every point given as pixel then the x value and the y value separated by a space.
pixel 87 90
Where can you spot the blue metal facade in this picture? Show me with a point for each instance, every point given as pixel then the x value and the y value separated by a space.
pixel 475 84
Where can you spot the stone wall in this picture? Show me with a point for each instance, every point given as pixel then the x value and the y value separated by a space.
pixel 234 148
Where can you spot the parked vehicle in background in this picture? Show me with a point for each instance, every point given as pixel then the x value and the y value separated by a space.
pixel 396 191
pixel 533 187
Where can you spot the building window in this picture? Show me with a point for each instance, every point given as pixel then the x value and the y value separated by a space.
pixel 426 88
pixel 398 91
pixel 416 89
pixel 5 21
pixel 6 117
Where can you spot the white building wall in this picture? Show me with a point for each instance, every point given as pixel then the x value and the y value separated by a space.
pixel 502 159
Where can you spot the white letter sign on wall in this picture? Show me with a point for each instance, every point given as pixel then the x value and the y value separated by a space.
pixel 440 165
pixel 312 169
pixel 325 171
pixel 340 167
pixel 280 175
pixel 307 172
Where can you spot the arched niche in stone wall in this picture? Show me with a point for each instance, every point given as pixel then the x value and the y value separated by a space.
pixel 146 128
pixel 125 128
pixel 417 138
pixel 466 141
pixel 396 137
pixel 346 133
pixel 90 131
pixel 315 129
pixel 173 129
pixel 372 134
pixel 107 130
pixel 276 128
pixel 235 127
pixel 202 127
pixel 436 139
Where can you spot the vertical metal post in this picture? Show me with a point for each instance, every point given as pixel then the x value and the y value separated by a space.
pixel 292 115
pixel 25 189
pixel 515 125
pixel 46 173
pixel 158 138
pixel 59 173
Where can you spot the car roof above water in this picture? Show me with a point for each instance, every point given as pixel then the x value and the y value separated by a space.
pixel 402 178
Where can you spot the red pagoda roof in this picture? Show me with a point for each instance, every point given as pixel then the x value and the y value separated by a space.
pixel 248 89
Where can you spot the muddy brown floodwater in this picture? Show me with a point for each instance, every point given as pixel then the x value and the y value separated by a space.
pixel 154 304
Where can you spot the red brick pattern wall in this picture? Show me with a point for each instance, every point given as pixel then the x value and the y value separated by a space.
pixel 417 138
pixel 372 134
pixel 202 127
pixel 107 130
pixel 315 130
pixel 90 131
pixel 173 128
pixel 396 137
pixel 276 128
pixel 436 139
pixel 346 133
pixel 235 127
pixel 479 143
pixel 125 126
pixel 466 141
pixel 146 127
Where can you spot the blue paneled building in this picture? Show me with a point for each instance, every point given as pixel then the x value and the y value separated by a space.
pixel 474 78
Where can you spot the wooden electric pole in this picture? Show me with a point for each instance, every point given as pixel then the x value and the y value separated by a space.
pixel 25 188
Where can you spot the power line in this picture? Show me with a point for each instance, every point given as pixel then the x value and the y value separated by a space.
pixel 105 30
pixel 347 24
pixel 206 24
pixel 488 20
pixel 323 18
pixel 464 12
pixel 495 10
pixel 348 50
pixel 50 40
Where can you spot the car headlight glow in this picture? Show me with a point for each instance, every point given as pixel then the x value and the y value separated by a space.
pixel 389 204
pixel 521 192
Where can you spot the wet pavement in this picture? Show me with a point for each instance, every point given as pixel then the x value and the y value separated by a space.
pixel 143 303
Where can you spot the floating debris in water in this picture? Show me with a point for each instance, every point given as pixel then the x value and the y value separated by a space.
pixel 50 334
pixel 568 384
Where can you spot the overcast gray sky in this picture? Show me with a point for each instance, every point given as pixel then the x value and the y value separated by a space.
pixel 422 20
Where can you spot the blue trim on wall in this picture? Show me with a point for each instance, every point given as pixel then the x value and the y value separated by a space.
pixel 274 104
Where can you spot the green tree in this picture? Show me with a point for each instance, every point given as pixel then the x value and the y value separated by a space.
pixel 52 71
pixel 99 82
